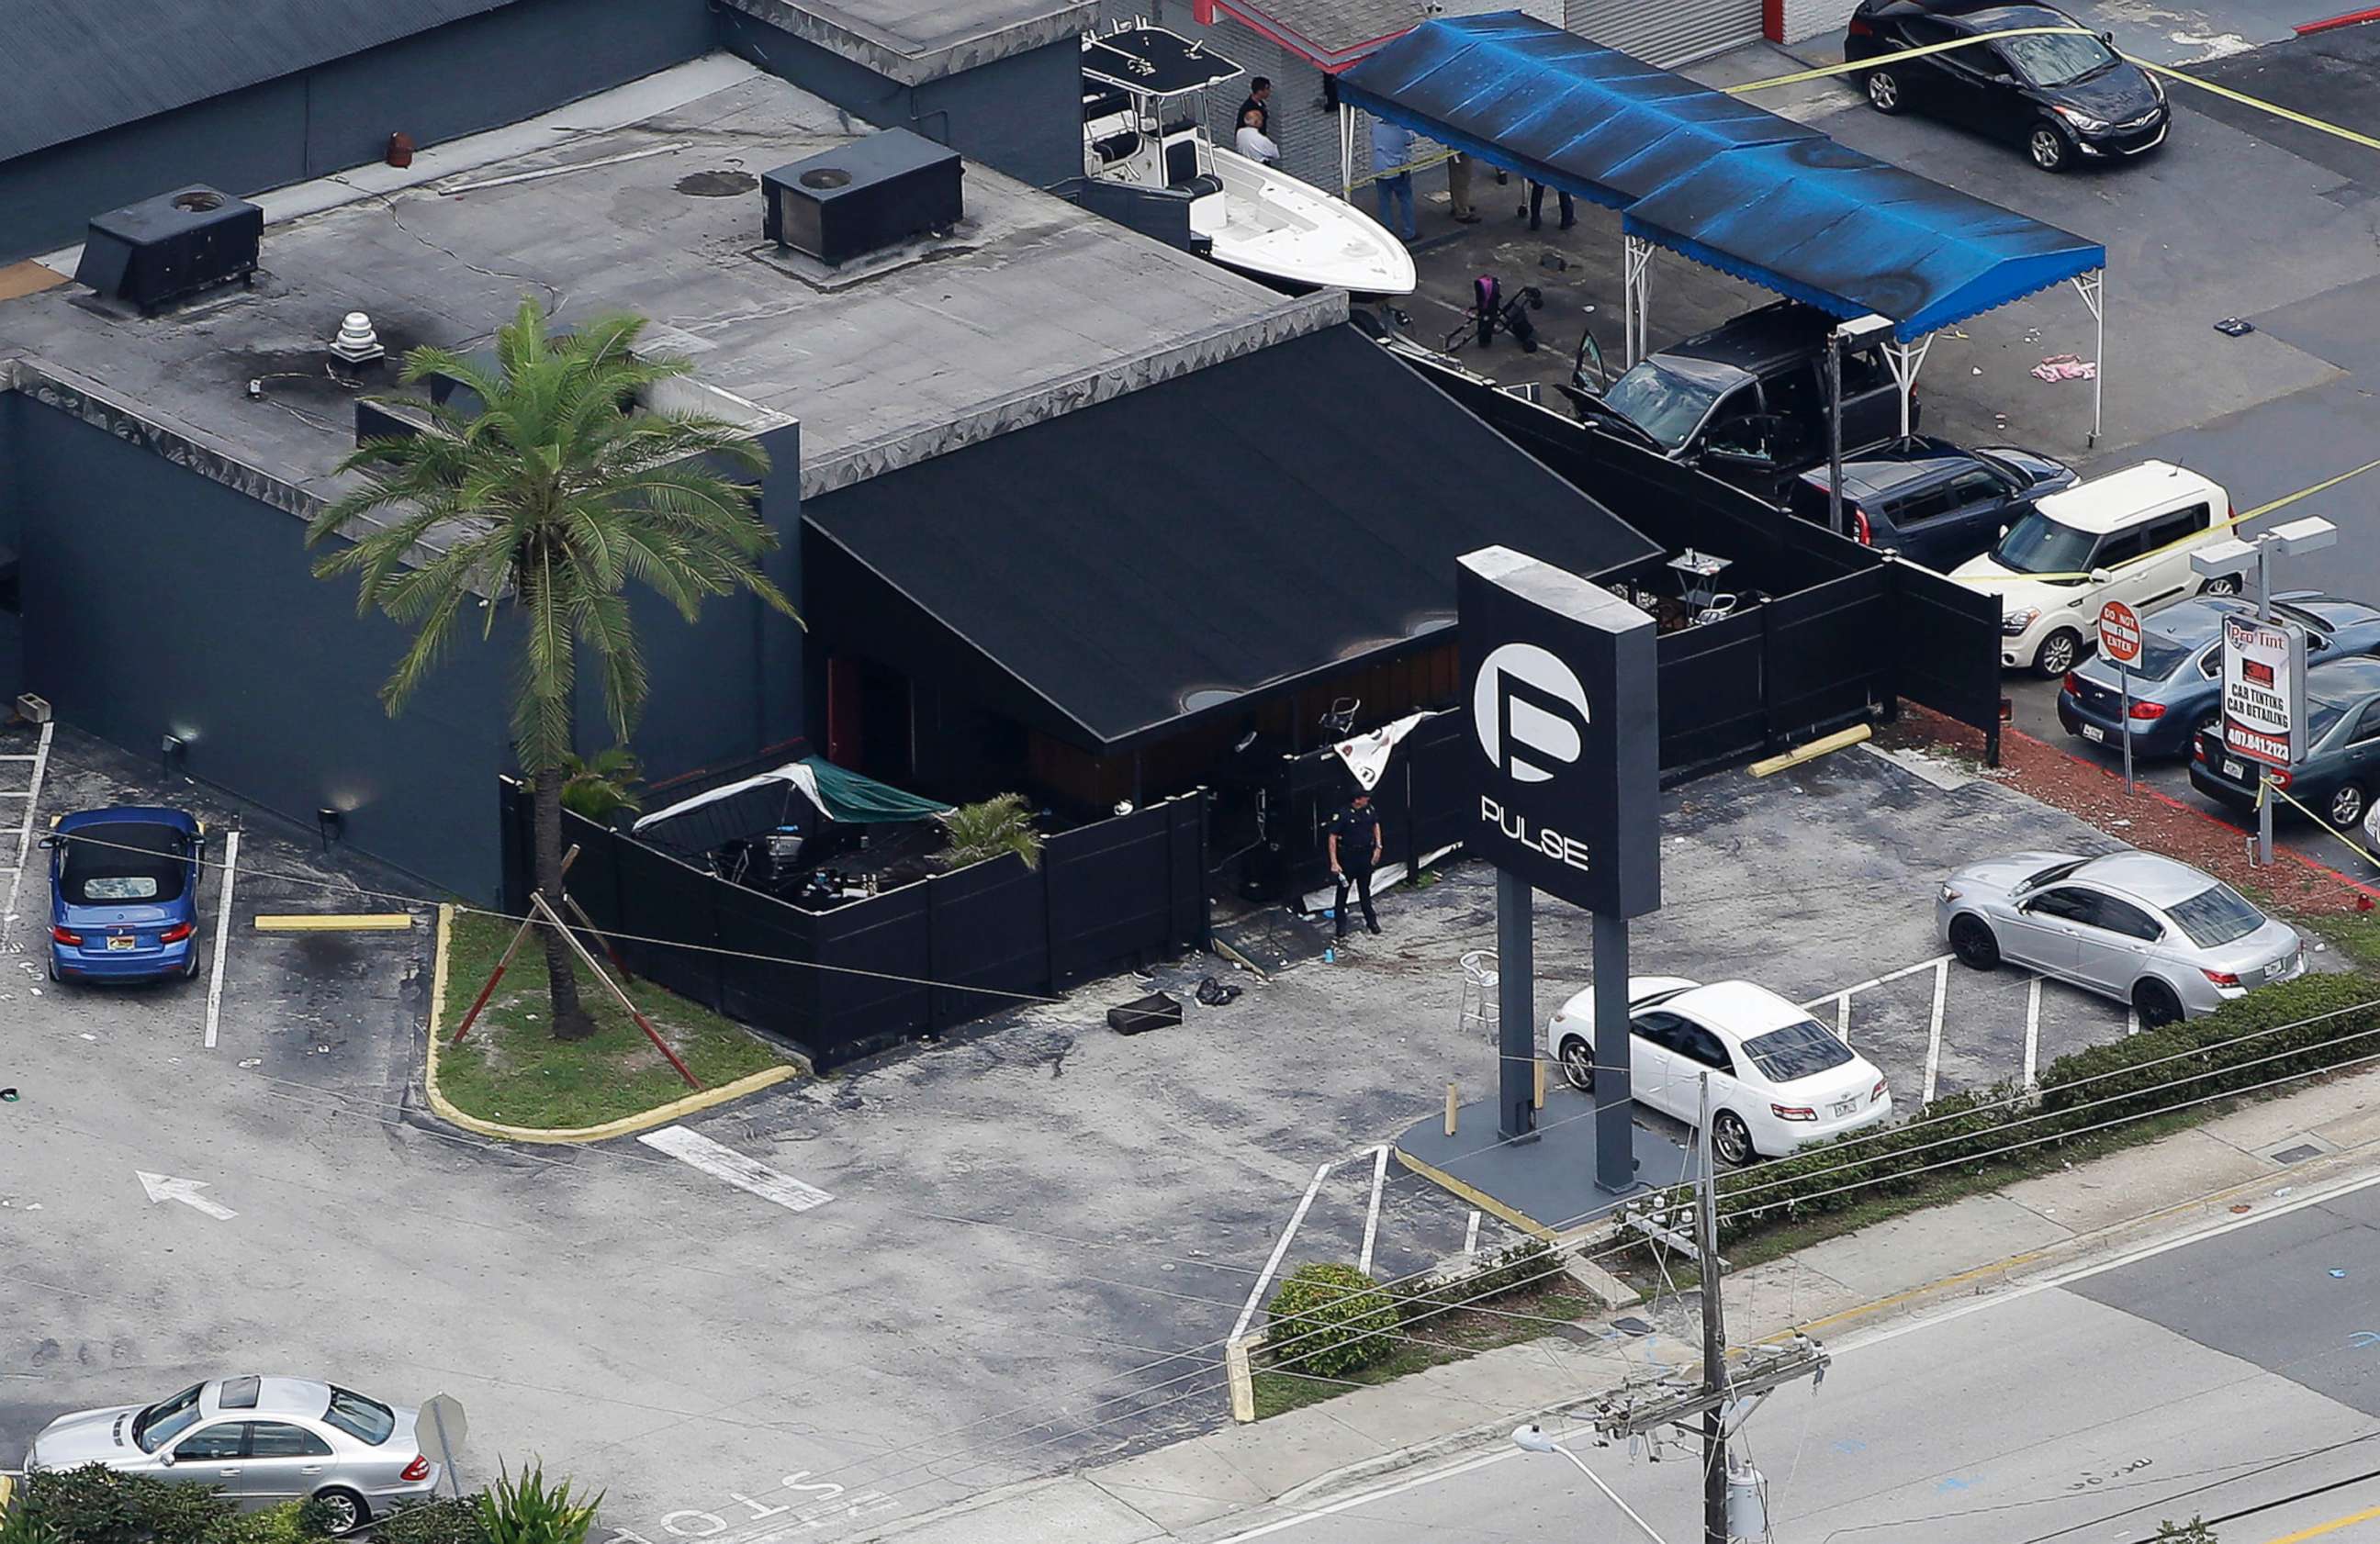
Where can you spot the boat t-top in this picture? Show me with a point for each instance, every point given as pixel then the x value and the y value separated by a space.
pixel 1142 91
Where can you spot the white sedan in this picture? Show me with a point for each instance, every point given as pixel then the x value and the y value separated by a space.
pixel 1778 1079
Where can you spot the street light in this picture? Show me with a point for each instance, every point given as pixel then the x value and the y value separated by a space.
pixel 2220 560
pixel 1532 1438
pixel 1859 330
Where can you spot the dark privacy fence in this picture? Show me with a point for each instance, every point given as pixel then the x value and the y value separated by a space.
pixel 1105 896
pixel 1419 800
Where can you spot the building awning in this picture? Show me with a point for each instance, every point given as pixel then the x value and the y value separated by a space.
pixel 1709 176
pixel 1187 549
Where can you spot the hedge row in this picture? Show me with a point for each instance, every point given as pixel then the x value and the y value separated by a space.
pixel 1329 1320
pixel 2293 1028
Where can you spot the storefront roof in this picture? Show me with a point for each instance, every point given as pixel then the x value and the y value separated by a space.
pixel 1114 574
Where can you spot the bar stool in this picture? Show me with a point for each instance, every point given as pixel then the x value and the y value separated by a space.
pixel 1477 1006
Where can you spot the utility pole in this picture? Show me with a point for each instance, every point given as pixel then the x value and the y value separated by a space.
pixel 1764 1367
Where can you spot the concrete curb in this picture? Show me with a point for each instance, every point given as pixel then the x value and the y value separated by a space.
pixel 626 1126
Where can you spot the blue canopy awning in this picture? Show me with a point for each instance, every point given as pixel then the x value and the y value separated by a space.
pixel 1711 177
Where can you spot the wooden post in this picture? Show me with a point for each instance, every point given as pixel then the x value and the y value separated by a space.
pixel 1243 1383
pixel 1539 1064
pixel 538 904
pixel 1450 1103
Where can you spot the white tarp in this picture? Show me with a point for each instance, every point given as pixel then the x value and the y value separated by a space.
pixel 1367 756
pixel 792 772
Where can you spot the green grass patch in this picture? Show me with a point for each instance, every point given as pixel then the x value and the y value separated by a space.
pixel 1435 1340
pixel 2355 934
pixel 512 1069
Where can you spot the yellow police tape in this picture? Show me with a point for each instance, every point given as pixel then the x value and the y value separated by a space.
pixel 1825 71
pixel 2285 501
pixel 2266 784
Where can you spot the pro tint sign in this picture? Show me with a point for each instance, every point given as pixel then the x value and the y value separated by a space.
pixel 2263 690
pixel 1557 674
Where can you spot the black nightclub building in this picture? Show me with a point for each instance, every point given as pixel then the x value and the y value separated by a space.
pixel 1066 509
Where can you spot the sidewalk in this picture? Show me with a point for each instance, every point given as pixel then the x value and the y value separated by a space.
pixel 1210 1486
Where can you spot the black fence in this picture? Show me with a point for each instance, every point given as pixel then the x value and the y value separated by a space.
pixel 845 982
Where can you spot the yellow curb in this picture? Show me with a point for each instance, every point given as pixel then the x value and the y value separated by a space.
pixel 1476 1197
pixel 662 1115
pixel 337 922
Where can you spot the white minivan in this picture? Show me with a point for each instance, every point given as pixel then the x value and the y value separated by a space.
pixel 2125 536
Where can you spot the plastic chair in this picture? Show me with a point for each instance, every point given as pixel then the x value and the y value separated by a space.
pixel 1478 1005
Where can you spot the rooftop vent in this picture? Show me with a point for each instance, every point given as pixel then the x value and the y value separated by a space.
pixel 174 244
pixel 863 197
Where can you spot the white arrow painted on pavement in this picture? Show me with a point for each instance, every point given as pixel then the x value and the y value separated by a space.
pixel 165 1187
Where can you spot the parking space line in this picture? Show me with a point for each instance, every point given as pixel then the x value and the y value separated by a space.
pixel 724 1163
pixel 1933 1034
pixel 41 760
pixel 1842 999
pixel 1372 1213
pixel 2032 1029
pixel 2132 1022
pixel 222 933
pixel 1281 1248
pixel 1471 1235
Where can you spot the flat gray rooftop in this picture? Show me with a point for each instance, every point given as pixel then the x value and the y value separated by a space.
pixel 917 40
pixel 1032 308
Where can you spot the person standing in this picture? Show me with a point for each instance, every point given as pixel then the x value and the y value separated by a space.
pixel 1458 190
pixel 1259 93
pixel 1355 845
pixel 1392 174
pixel 1537 202
pixel 1251 142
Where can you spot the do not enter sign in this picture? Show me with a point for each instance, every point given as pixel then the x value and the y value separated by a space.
pixel 2120 633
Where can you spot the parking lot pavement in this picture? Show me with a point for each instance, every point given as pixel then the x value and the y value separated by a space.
pixel 1033 1240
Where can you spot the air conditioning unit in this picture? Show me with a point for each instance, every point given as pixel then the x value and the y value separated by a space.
pixel 864 197
pixel 174 244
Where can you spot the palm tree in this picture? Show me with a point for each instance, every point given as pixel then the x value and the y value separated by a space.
pixel 988 830
pixel 544 504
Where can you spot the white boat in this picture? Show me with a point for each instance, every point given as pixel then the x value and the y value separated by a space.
pixel 1142 91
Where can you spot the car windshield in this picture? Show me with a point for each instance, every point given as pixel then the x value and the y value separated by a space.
pixel 1801 1050
pixel 2057 58
pixel 2217 915
pixel 2050 876
pixel 1664 403
pixel 367 1420
pixel 166 1420
pixel 2039 545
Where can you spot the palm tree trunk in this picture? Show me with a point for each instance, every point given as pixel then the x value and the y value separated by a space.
pixel 570 1020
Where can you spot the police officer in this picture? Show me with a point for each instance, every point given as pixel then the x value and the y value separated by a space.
pixel 1260 91
pixel 1355 853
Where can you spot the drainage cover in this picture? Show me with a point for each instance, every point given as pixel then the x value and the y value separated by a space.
pixel 717 184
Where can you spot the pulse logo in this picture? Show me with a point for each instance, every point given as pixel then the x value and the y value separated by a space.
pixel 1529 712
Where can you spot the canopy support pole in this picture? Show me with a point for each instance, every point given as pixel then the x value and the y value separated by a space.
pixel 2091 287
pixel 1635 292
pixel 1346 153
pixel 1906 359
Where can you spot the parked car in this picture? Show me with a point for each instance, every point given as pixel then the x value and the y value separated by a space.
pixel 2134 927
pixel 1745 401
pixel 2125 536
pixel 1778 1079
pixel 124 894
pixel 2340 769
pixel 1931 502
pixel 2065 97
pixel 2176 683
pixel 261 1441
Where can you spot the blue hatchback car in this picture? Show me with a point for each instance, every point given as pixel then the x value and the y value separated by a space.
pixel 124 894
pixel 2176 683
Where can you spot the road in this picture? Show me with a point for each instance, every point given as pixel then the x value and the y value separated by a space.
pixel 2233 1374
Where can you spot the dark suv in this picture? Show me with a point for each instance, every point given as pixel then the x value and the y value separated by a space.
pixel 1746 401
pixel 1931 502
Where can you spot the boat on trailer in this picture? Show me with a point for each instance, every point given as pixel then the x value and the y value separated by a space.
pixel 1143 88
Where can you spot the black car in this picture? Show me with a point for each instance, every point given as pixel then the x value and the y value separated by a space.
pixel 1746 401
pixel 2062 96
pixel 2338 769
pixel 1930 501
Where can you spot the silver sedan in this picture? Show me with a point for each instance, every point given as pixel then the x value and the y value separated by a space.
pixel 2134 927
pixel 261 1441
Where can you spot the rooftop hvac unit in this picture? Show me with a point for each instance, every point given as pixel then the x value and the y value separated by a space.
pixel 863 197
pixel 174 244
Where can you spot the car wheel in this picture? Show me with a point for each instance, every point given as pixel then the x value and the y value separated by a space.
pixel 342 1511
pixel 1884 91
pixel 1578 1064
pixel 2347 802
pixel 2047 148
pixel 1972 941
pixel 1731 1139
pixel 2223 583
pixel 2156 1004
pixel 2058 652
